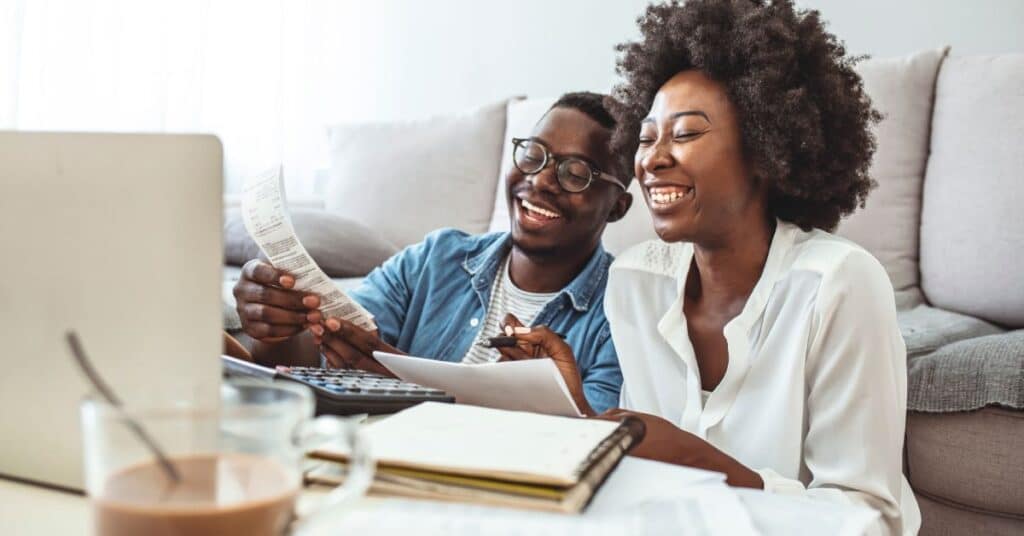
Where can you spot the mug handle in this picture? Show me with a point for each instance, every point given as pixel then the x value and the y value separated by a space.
pixel 361 465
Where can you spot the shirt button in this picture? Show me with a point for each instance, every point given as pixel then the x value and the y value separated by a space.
pixel 474 322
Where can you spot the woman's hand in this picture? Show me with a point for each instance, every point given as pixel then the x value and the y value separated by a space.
pixel 538 342
pixel 666 442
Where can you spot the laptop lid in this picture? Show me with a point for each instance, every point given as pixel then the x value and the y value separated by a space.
pixel 117 236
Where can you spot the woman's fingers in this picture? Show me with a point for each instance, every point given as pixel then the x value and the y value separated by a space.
pixel 513 354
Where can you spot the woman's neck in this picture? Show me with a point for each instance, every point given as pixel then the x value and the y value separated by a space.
pixel 728 270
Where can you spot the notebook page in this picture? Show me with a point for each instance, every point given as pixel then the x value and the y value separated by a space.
pixel 483 441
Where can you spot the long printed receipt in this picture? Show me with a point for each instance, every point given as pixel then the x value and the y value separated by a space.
pixel 265 214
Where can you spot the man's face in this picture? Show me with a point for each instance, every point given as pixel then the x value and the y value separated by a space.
pixel 546 219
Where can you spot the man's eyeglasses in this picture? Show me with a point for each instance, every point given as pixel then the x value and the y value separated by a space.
pixel 573 174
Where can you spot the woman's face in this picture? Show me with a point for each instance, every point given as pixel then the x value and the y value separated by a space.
pixel 690 163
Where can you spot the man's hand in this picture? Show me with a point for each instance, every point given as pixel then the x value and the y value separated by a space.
pixel 270 310
pixel 346 345
pixel 666 442
pixel 539 341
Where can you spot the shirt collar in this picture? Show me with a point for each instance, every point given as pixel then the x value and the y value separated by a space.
pixel 581 291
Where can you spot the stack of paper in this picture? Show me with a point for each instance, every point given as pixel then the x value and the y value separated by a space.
pixel 480 455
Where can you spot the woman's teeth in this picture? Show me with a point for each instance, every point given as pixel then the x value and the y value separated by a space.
pixel 668 195
pixel 537 211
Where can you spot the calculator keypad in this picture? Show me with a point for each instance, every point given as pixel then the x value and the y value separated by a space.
pixel 343 381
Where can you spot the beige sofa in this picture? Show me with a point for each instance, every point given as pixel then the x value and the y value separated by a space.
pixel 945 221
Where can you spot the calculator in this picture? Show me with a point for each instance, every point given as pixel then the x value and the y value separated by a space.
pixel 343 391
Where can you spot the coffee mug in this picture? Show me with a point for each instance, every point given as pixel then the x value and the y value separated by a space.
pixel 238 466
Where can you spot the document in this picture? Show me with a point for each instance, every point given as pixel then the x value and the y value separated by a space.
pixel 533 385
pixel 265 214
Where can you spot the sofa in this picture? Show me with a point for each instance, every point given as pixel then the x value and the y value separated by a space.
pixel 945 221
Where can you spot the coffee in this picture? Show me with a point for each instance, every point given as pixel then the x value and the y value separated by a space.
pixel 218 495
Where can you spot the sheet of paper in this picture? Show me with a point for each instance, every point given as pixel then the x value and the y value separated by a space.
pixel 265 215
pixel 533 385
pixel 471 439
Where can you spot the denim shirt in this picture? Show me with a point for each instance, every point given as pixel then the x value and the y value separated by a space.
pixel 430 300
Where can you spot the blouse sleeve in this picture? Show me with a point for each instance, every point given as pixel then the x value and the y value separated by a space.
pixel 856 385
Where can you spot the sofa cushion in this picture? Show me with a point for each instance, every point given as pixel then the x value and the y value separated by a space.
pixel 972 459
pixel 969 374
pixel 972 234
pixel 926 329
pixel 901 89
pixel 943 518
pixel 342 247
pixel 634 228
pixel 408 178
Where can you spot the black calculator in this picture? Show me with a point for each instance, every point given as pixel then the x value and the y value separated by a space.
pixel 343 391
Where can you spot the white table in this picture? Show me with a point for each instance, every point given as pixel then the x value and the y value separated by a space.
pixel 639 495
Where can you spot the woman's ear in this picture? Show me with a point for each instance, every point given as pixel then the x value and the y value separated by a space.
pixel 622 204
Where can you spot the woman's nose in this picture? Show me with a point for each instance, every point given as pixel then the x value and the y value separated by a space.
pixel 655 157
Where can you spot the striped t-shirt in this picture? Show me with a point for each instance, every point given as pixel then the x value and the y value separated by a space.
pixel 506 298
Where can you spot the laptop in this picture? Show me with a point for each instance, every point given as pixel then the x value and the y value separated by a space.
pixel 118 237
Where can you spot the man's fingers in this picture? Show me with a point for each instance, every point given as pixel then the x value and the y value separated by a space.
pixel 334 360
pixel 262 272
pixel 362 340
pixel 345 351
pixel 263 331
pixel 293 300
pixel 273 315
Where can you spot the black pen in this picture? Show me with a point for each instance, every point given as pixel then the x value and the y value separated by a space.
pixel 504 342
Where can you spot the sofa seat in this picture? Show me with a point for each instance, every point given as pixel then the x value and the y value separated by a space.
pixel 967 470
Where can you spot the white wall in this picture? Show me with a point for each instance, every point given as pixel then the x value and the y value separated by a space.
pixel 417 58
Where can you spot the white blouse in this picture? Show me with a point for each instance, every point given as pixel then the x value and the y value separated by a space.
pixel 814 396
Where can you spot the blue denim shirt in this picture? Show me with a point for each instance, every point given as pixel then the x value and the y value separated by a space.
pixel 430 300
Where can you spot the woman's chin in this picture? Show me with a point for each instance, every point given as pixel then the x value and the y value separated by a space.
pixel 673 231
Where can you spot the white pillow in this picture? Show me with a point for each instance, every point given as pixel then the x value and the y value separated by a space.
pixel 903 90
pixel 405 179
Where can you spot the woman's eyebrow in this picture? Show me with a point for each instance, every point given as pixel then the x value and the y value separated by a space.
pixel 650 119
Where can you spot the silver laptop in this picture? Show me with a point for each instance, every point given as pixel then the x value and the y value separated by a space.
pixel 118 237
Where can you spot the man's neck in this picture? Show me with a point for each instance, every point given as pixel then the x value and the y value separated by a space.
pixel 544 273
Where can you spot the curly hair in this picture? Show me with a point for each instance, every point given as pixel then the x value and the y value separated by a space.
pixel 803 113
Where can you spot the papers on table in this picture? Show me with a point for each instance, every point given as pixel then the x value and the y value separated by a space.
pixel 533 385
pixel 265 214
pixel 640 497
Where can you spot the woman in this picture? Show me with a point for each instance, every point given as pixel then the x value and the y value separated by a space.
pixel 753 342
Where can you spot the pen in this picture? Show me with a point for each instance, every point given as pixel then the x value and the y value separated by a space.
pixel 504 342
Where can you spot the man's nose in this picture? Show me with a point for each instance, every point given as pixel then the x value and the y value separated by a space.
pixel 546 179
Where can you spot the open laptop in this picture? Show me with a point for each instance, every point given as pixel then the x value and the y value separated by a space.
pixel 117 236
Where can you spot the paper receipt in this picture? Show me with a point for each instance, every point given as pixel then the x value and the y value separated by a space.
pixel 265 214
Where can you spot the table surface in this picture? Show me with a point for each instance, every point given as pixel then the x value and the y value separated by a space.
pixel 27 509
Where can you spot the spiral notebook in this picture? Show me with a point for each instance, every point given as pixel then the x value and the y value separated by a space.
pixel 506 458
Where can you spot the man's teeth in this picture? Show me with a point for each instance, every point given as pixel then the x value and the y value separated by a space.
pixel 668 195
pixel 543 212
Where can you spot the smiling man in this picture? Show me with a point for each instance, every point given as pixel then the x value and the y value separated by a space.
pixel 442 297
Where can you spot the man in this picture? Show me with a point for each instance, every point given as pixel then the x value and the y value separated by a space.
pixel 442 297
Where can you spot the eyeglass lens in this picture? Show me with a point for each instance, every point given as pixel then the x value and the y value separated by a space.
pixel 573 174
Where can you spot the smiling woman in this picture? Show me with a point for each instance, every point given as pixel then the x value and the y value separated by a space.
pixel 751 341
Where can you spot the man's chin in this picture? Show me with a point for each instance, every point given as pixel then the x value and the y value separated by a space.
pixel 536 245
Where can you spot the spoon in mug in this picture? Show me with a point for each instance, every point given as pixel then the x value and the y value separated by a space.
pixel 108 394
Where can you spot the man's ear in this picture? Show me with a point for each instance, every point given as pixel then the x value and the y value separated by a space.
pixel 621 207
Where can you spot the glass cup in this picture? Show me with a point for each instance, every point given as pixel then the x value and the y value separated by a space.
pixel 239 464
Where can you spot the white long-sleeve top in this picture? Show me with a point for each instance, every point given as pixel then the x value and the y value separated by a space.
pixel 814 396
